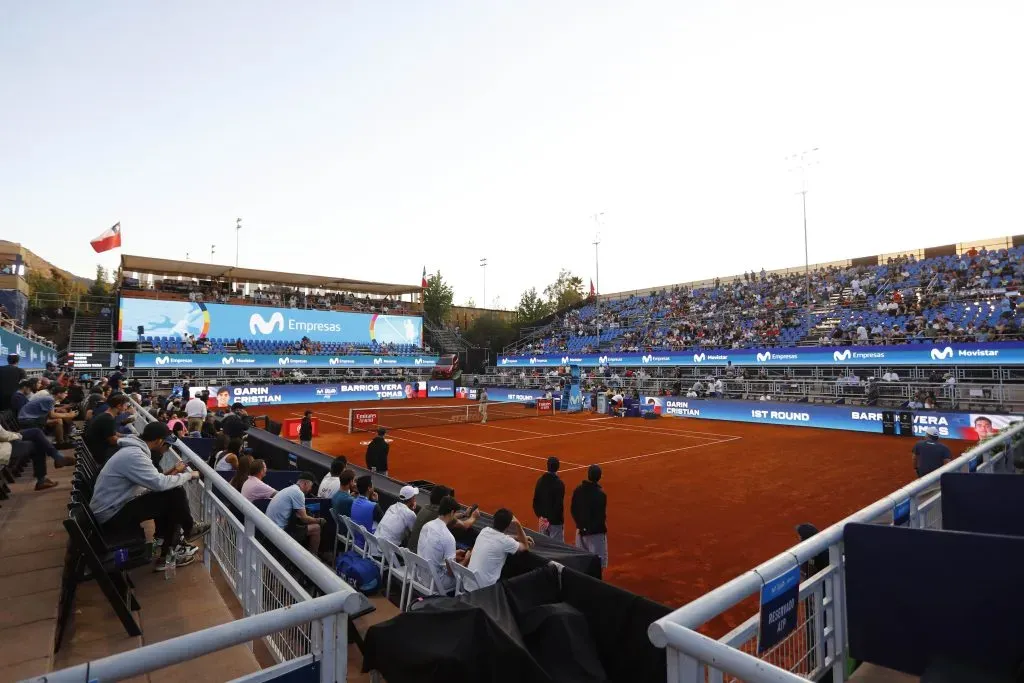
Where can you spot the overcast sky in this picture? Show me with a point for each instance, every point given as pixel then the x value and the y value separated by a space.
pixel 371 139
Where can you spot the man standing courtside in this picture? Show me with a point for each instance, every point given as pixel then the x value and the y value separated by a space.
pixel 10 377
pixel 483 405
pixel 549 502
pixel 589 504
pixel 377 453
pixel 929 454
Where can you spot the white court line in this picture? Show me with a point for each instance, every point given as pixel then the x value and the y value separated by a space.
pixel 648 455
pixel 508 429
pixel 527 438
pixel 598 419
pixel 475 445
pixel 432 445
pixel 662 430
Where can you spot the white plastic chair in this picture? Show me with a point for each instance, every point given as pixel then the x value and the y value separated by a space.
pixel 395 567
pixel 465 578
pixel 371 547
pixel 341 533
pixel 353 533
pixel 422 576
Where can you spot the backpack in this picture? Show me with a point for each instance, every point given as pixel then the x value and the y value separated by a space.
pixel 360 572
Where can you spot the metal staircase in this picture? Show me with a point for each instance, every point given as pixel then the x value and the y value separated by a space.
pixel 91 333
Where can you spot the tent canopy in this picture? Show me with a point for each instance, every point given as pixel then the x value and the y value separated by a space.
pixel 211 271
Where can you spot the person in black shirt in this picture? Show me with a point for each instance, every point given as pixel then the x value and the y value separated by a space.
pixel 115 379
pixel 549 502
pixel 19 398
pixel 209 428
pixel 101 431
pixel 589 504
pixel 10 377
pixel 377 453
pixel 306 430
pixel 235 423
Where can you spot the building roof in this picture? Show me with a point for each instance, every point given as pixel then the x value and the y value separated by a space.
pixel 208 271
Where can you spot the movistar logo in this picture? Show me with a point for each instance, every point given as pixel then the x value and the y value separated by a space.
pixel 533 360
pixel 699 357
pixel 565 360
pixel 162 360
pixel 839 356
pixel 256 322
pixel 227 360
pixel 602 360
pixel 419 361
pixel 284 361
pixel 646 359
pixel 763 357
pixel 378 361
pixel 943 354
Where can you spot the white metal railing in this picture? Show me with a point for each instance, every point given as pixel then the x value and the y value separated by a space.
pixel 297 628
pixel 818 644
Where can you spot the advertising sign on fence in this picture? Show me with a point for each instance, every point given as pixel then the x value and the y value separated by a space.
pixel 177 319
pixel 242 361
pixel 989 353
pixel 952 425
pixel 441 388
pixel 778 609
pixel 281 394
pixel 33 355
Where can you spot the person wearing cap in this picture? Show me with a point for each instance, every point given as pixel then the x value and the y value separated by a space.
pixel 929 454
pixel 10 377
pixel 549 502
pixel 589 505
pixel 437 544
pixel 235 423
pixel 377 453
pixel 494 544
pixel 288 510
pixel 19 398
pixel 365 509
pixel 399 518
pixel 130 490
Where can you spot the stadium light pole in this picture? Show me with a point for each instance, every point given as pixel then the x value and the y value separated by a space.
pixel 597 274
pixel 801 162
pixel 238 229
pixel 483 264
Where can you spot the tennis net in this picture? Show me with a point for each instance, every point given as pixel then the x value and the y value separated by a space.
pixel 371 419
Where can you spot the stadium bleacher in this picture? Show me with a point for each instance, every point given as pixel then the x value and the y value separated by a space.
pixel 165 344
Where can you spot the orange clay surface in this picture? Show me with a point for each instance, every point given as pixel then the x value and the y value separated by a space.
pixel 691 503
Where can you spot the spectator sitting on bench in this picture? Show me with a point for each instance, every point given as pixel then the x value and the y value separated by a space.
pixel 288 510
pixel 494 544
pixel 129 490
pixel 429 513
pixel 14 447
pixel 436 544
pixel 227 460
pixel 254 489
pixel 42 412
pixel 329 486
pixel 400 517
pixel 100 434
pixel 242 473
pixel 341 502
pixel 19 398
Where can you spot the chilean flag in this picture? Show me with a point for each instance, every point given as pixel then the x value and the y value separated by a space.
pixel 423 283
pixel 592 290
pixel 110 239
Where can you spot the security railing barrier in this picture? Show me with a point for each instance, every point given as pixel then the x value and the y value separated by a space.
pixel 296 628
pixel 818 643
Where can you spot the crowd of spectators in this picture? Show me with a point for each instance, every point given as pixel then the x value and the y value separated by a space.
pixel 971 297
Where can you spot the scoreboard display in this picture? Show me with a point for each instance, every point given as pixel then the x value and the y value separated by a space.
pixel 83 360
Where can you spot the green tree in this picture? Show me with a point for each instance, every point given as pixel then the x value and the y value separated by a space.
pixel 437 298
pixel 101 285
pixel 565 291
pixel 48 290
pixel 532 307
pixel 491 331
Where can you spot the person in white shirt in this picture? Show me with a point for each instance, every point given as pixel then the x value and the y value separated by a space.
pixel 719 388
pixel 890 376
pixel 330 484
pixel 195 410
pixel 400 517
pixel 862 333
pixel 436 544
pixel 493 545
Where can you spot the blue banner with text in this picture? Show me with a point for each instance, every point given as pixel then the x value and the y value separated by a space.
pixel 177 319
pixel 1001 353
pixel 951 425
pixel 32 355
pixel 281 394
pixel 244 360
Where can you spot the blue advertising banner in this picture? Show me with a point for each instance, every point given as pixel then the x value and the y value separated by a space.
pixel 226 321
pixel 951 425
pixel 281 394
pixel 244 360
pixel 778 615
pixel 1002 353
pixel 440 388
pixel 33 355
pixel 575 403
pixel 519 395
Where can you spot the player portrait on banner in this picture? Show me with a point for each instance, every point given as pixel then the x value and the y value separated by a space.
pixel 986 426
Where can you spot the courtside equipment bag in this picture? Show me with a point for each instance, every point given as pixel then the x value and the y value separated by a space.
pixel 360 572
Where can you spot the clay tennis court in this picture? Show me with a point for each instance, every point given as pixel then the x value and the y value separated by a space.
pixel 691 503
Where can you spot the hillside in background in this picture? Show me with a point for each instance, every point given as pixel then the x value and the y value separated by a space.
pixel 39 264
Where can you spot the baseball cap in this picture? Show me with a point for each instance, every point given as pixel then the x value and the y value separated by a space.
pixel 931 431
pixel 408 492
pixel 157 430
